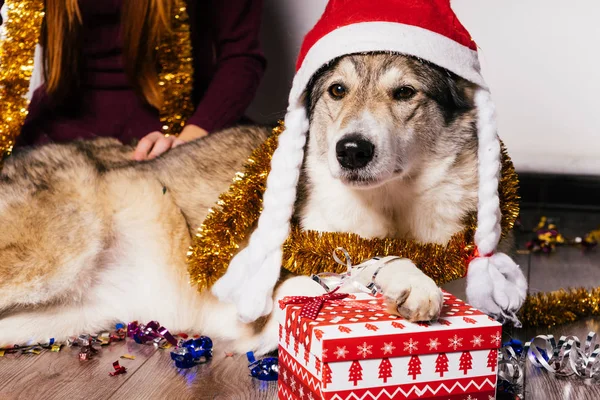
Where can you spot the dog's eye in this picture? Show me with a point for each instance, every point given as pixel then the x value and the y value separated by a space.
pixel 337 91
pixel 404 93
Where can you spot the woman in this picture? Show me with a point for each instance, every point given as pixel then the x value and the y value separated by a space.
pixel 102 70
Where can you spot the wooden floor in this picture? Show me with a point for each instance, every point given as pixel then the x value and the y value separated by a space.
pixel 152 375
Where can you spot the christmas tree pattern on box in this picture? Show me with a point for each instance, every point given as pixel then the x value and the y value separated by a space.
pixel 354 349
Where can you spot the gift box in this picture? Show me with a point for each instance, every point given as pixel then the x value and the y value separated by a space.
pixel 354 349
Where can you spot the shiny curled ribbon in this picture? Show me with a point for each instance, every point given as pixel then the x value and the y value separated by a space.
pixel 312 305
pixel 331 281
pixel 568 357
pixel 511 372
pixel 152 332
pixel 118 369
pixel 192 352
pixel 266 369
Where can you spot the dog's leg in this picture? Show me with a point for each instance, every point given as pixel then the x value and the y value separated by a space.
pixel 408 291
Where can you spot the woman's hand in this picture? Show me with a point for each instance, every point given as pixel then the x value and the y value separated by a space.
pixel 191 132
pixel 155 143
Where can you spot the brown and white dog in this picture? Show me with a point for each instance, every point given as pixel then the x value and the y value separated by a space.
pixel 89 238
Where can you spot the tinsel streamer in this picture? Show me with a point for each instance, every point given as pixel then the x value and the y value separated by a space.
pixel 175 77
pixel 229 224
pixel 306 253
pixel 22 31
pixel 560 307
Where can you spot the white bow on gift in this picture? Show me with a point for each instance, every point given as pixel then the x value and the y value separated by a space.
pixel 348 281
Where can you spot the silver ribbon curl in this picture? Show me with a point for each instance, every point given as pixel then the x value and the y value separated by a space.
pixel 568 357
pixel 331 281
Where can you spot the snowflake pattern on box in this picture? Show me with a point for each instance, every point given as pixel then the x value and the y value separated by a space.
pixel 477 341
pixel 341 352
pixel 455 342
pixel 364 350
pixel 410 346
pixel 388 348
pixel 433 344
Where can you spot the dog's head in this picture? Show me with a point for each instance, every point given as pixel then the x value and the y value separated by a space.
pixel 378 117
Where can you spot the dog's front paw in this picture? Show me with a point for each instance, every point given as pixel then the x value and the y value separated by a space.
pixel 409 292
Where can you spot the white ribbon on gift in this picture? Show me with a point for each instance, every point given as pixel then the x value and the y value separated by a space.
pixel 349 280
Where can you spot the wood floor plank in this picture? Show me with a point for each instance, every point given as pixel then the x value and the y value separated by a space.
pixel 62 376
pixel 14 365
pixel 221 378
pixel 567 267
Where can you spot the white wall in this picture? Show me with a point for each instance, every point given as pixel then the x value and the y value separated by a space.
pixel 541 59
pixel 285 22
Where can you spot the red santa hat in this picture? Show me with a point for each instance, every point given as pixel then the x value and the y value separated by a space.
pixel 429 30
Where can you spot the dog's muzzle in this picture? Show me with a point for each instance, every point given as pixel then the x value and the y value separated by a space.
pixel 354 152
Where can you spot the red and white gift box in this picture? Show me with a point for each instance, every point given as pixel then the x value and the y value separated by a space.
pixel 355 350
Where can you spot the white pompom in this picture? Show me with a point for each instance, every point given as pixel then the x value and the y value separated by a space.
pixel 496 285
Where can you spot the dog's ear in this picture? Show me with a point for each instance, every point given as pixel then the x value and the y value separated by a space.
pixel 457 98
pixel 462 92
pixel 453 94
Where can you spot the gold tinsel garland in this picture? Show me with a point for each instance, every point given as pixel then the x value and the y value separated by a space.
pixel 22 31
pixel 560 307
pixel 175 77
pixel 228 225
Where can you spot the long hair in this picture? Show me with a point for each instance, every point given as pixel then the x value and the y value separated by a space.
pixel 143 24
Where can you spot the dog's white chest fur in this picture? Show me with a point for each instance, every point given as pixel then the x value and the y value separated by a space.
pixel 429 209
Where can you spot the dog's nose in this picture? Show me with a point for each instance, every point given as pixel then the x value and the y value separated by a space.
pixel 354 152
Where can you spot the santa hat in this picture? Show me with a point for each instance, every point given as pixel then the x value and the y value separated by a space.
pixel 429 30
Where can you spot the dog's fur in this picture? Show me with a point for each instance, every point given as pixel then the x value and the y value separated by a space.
pixel 88 237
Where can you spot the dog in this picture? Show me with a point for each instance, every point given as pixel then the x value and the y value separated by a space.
pixel 89 238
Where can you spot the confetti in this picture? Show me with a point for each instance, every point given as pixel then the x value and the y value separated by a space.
pixel 118 369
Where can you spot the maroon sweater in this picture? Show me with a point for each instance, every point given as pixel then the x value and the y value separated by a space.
pixel 228 66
